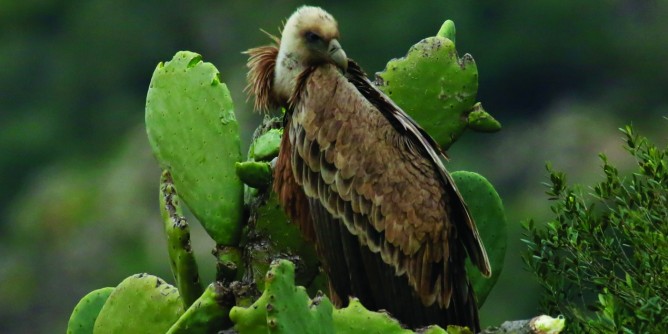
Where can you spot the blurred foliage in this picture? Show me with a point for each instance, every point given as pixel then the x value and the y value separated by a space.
pixel 602 259
pixel 78 207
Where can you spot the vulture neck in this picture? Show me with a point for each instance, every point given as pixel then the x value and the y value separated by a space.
pixel 289 65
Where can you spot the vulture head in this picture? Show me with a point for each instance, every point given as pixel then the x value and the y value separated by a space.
pixel 309 38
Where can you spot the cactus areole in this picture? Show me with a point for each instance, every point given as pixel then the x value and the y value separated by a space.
pixel 365 182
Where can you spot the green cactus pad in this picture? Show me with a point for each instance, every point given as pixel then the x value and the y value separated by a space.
pixel 192 129
pixel 452 330
pixel 285 235
pixel 438 330
pixel 255 174
pixel 260 256
pixel 143 304
pixel 479 120
pixel 284 307
pixel 487 210
pixel 434 86
pixel 229 263
pixel 208 314
pixel 266 146
pixel 286 239
pixel 85 313
pixel 355 318
pixel 182 259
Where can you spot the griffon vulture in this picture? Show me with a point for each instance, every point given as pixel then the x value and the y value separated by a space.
pixel 364 182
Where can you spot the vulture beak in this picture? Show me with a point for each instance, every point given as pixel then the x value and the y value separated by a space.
pixel 337 55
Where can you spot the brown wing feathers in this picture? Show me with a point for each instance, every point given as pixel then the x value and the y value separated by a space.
pixel 290 195
pixel 420 141
pixel 405 231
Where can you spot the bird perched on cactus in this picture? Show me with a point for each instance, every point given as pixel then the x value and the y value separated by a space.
pixel 364 182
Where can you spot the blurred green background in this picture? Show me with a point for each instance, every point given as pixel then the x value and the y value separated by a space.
pixel 79 208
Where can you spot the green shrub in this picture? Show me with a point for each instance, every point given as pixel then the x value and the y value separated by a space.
pixel 603 258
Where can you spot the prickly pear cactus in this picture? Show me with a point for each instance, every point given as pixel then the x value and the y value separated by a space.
pixel 437 88
pixel 255 174
pixel 85 313
pixel 270 234
pixel 284 307
pixel 141 304
pixel 182 260
pixel 265 147
pixel 487 211
pixel 194 134
pixel 286 240
pixel 208 314
pixel 355 318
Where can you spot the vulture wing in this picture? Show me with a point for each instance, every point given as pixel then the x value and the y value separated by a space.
pixel 382 204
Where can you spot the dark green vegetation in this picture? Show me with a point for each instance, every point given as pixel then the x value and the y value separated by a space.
pixel 78 207
pixel 603 258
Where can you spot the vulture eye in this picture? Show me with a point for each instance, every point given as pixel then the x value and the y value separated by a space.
pixel 312 37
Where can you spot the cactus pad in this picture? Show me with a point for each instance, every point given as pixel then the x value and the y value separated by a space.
pixel 285 236
pixel 284 307
pixel 355 318
pixel 479 120
pixel 142 303
pixel 229 264
pixel 208 314
pixel 436 87
pixel 182 260
pixel 266 146
pixel 192 129
pixel 85 313
pixel 487 211
pixel 255 174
